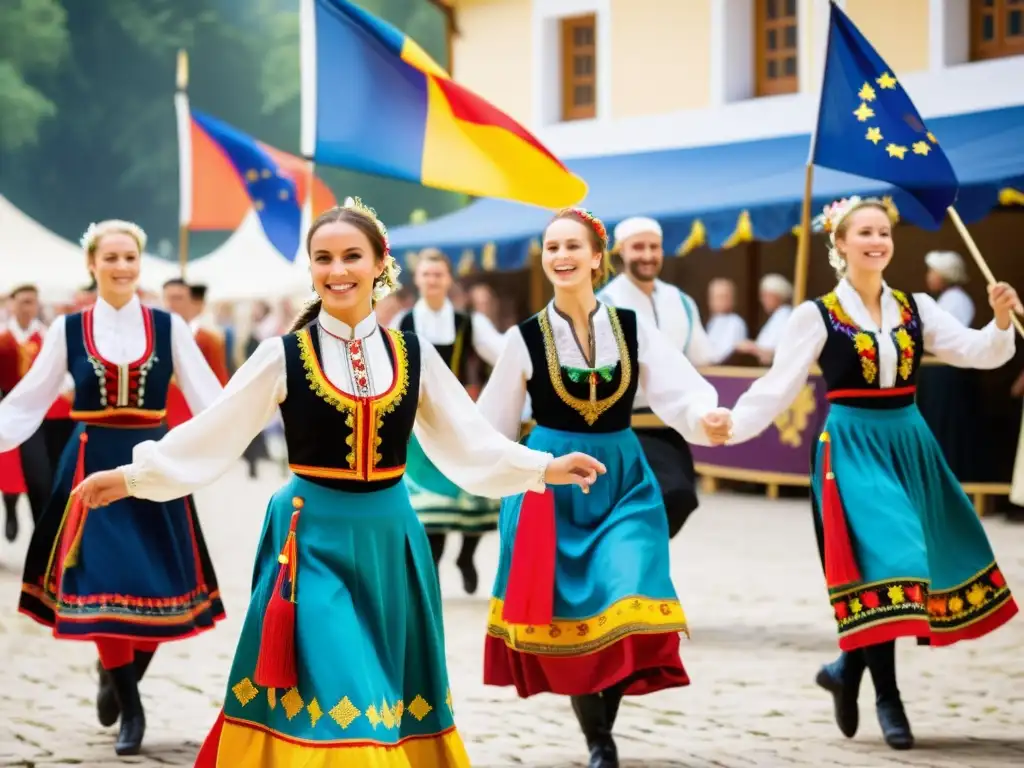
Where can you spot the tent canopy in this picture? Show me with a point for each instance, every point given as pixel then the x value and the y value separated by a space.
pixel 32 254
pixel 725 194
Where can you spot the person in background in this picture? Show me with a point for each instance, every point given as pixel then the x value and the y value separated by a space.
pixel 265 325
pixel 225 321
pixel 85 297
pixel 726 329
pixel 484 302
pixel 945 279
pixel 776 293
pixel 639 243
pixel 386 309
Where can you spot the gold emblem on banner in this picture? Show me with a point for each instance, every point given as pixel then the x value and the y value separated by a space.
pixel 792 423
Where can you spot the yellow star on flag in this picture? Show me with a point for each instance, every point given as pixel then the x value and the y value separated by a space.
pixel 283 194
pixel 864 112
pixel 258 205
pixel 885 80
pixel 265 173
pixel 867 93
pixel 896 150
pixel 252 174
pixel 931 138
pixel 921 148
pixel 874 135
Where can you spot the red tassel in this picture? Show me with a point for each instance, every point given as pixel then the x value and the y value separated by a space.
pixel 840 563
pixel 530 592
pixel 276 664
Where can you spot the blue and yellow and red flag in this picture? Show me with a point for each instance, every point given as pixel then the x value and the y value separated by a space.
pixel 868 126
pixel 374 101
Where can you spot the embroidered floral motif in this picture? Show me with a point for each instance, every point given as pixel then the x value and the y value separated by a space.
pixel 977 597
pixel 863 341
pixel 904 341
pixel 576 375
pixel 357 362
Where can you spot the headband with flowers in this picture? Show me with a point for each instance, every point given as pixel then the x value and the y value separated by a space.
pixel 388 280
pixel 97 230
pixel 832 216
pixel 591 221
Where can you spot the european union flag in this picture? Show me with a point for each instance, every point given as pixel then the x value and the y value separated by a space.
pixel 868 126
pixel 271 190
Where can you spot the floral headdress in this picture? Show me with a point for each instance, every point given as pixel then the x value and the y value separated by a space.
pixel 832 216
pixel 591 221
pixel 388 280
pixel 97 230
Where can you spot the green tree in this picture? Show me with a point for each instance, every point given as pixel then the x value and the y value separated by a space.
pixel 33 43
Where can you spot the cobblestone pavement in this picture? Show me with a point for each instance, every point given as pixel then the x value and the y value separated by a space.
pixel 748 575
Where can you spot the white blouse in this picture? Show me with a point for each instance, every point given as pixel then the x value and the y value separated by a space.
pixel 677 393
pixel 120 336
pixel 438 327
pixel 772 331
pixel 805 335
pixel 726 332
pixel 451 430
pixel 956 301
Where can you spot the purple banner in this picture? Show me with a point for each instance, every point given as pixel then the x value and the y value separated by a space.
pixel 780 454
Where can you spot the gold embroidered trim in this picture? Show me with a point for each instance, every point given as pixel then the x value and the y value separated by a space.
pixel 591 409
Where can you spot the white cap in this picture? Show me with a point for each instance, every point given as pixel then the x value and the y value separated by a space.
pixel 637 225
pixel 949 265
pixel 778 285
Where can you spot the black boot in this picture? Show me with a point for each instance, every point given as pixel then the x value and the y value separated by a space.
pixel 107 708
pixel 436 547
pixel 11 523
pixel 470 578
pixel 881 661
pixel 842 679
pixel 593 718
pixel 142 659
pixel 133 719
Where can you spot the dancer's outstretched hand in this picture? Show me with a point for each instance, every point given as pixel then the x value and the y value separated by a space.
pixel 1003 300
pixel 718 426
pixel 102 488
pixel 574 469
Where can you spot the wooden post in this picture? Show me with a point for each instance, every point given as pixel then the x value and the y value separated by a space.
pixel 803 247
pixel 183 226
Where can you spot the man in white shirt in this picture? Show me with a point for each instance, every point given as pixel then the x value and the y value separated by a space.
pixel 639 242
pixel 945 279
pixel 776 293
pixel 726 329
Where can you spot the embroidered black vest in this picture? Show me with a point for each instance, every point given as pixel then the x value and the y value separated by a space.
pixel 849 359
pixel 455 355
pixel 133 394
pixel 342 441
pixel 582 401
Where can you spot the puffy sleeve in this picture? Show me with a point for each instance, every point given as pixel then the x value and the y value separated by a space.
pixel 463 444
pixel 488 341
pixel 800 344
pixel 503 401
pixel 675 391
pixel 194 376
pixel 23 408
pixel 204 447
pixel 953 343
pixel 700 350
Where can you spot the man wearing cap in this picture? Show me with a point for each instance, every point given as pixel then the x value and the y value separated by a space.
pixel 776 293
pixel 638 241
pixel 945 279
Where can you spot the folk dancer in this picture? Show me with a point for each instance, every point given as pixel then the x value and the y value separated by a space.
pixel 904 552
pixel 344 564
pixel 639 242
pixel 137 573
pixel 466 341
pixel 590 613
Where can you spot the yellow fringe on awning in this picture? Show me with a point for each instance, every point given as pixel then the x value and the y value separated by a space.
pixel 466 263
pixel 1010 196
pixel 698 237
pixel 489 257
pixel 744 232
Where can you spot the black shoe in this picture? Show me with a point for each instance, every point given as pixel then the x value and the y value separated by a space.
pixel 470 578
pixel 133 719
pixel 107 707
pixel 142 659
pixel 895 726
pixel 593 719
pixel 844 685
pixel 11 526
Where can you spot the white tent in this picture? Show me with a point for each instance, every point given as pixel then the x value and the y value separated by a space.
pixel 247 268
pixel 30 253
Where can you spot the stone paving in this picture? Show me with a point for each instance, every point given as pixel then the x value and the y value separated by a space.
pixel 748 575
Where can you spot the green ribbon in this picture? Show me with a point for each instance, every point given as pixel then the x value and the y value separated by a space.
pixel 576 375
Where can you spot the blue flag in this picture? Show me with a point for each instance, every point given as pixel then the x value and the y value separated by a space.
pixel 868 126
pixel 271 190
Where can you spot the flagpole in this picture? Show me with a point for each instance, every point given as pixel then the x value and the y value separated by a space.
pixel 184 159
pixel 980 260
pixel 308 101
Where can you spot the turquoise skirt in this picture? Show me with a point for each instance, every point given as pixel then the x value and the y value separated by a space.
pixel 926 566
pixel 441 505
pixel 617 616
pixel 369 643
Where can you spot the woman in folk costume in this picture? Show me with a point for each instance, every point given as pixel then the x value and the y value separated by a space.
pixel 904 552
pixel 590 611
pixel 138 573
pixel 341 659
pixel 466 341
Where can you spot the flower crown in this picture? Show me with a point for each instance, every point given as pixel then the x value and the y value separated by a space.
pixel 591 221
pixel 388 280
pixel 834 213
pixel 97 230
pixel 355 204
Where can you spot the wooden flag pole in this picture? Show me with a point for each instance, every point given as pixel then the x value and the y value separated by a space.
pixel 803 247
pixel 980 260
pixel 183 226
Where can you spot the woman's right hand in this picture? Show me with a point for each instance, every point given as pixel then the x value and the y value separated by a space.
pixel 574 469
pixel 102 488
